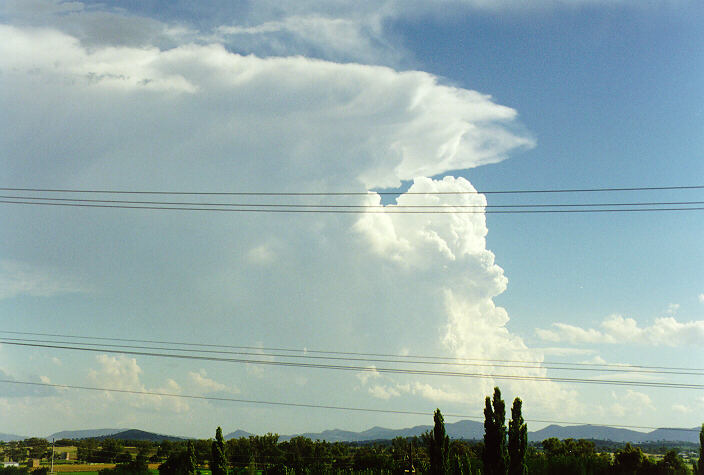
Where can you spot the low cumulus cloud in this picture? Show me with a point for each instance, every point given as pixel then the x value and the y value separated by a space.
pixel 616 329
pixel 630 402
pixel 124 374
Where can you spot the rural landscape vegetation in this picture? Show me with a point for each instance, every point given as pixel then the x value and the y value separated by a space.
pixel 504 450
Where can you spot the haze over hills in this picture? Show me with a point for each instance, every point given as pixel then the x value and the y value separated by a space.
pixel 122 434
pixel 11 437
pixel 83 434
pixel 465 429
pixel 136 434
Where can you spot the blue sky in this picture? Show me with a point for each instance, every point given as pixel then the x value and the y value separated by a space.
pixel 311 96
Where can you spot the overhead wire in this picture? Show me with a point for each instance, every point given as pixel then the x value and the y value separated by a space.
pixel 351 353
pixel 347 211
pixel 624 369
pixel 311 406
pixel 356 206
pixel 354 193
pixel 373 369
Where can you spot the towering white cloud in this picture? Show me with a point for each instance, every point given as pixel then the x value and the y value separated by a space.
pixel 450 246
pixel 200 117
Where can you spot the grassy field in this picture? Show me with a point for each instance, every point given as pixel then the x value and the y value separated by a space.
pixel 94 468
pixel 91 468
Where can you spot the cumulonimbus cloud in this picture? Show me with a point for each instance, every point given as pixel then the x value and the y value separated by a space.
pixel 381 126
pixel 200 117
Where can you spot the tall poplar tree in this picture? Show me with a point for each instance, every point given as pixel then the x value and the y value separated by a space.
pixel 517 440
pixel 700 463
pixel 191 462
pixel 439 447
pixel 218 463
pixel 495 454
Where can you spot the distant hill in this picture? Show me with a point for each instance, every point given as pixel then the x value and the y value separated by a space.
pixel 11 437
pixel 122 434
pixel 237 434
pixel 678 435
pixel 83 434
pixel 589 432
pixel 456 430
pixel 467 429
pixel 136 434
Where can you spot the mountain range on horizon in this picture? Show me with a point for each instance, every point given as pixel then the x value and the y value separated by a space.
pixel 467 429
pixel 464 429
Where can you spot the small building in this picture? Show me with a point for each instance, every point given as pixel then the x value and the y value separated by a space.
pixel 10 464
pixel 33 463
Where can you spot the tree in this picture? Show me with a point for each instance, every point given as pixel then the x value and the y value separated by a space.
pixel 495 454
pixel 137 466
pixel 439 446
pixel 517 440
pixel 191 462
pixel 109 450
pixel 628 460
pixel 700 463
pixel 180 463
pixel 672 464
pixel 218 463
pixel 123 458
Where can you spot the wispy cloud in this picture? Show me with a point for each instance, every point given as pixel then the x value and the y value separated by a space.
pixel 19 278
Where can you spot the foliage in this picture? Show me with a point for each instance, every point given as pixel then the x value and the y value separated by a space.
pixel 107 452
pixel 495 452
pixel 700 464
pixel 138 466
pixel 568 456
pixel 179 463
pixel 439 446
pixel 517 440
pixel 13 470
pixel 218 463
pixel 672 464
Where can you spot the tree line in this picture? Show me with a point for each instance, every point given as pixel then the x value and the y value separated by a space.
pixel 504 450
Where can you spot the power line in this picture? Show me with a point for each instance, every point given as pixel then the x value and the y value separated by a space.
pixel 390 208
pixel 358 206
pixel 347 193
pixel 349 353
pixel 345 211
pixel 513 377
pixel 311 406
pixel 367 359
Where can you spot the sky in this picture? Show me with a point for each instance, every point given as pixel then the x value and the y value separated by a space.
pixel 414 98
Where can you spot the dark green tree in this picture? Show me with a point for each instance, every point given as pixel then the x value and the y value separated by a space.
pixel 180 463
pixel 218 463
pixel 517 440
pixel 672 464
pixel 700 464
pixel 495 454
pixel 439 446
pixel 138 466
pixel 628 460
pixel 123 458
pixel 191 461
